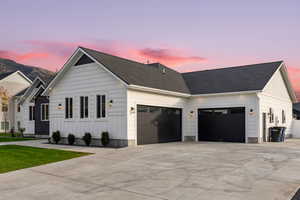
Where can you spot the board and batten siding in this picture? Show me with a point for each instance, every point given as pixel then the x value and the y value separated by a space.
pixel 135 98
pixel 249 101
pixel 89 80
pixel 275 95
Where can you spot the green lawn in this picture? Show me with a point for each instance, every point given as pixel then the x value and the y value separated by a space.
pixel 14 157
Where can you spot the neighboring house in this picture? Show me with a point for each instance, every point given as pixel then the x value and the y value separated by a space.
pixel 33 109
pixel 10 84
pixel 296 111
pixel 150 103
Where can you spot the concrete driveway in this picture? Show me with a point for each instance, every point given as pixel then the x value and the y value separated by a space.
pixel 163 171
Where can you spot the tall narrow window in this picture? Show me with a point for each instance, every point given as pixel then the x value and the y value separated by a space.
pixel 31 113
pixel 283 118
pixel 101 109
pixel 19 108
pixel 45 112
pixel 84 107
pixel 69 108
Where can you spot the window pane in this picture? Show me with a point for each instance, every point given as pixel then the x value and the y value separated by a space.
pixel 71 107
pixel 103 106
pixel 81 107
pixel 30 113
pixel 66 108
pixel 47 112
pixel 98 106
pixel 43 111
pixel 33 112
pixel 86 112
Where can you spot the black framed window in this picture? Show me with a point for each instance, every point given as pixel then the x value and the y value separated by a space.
pixel 101 108
pixel 84 107
pixel 283 118
pixel 31 113
pixel 19 108
pixel 69 108
pixel 45 112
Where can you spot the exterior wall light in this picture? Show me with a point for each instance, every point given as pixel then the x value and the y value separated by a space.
pixel 132 109
pixel 59 107
pixel 110 103
pixel 251 112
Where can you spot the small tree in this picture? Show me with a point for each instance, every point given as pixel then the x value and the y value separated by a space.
pixel 87 138
pixel 56 137
pixel 105 138
pixel 71 139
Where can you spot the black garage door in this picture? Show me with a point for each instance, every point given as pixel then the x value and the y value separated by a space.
pixel 222 124
pixel 158 124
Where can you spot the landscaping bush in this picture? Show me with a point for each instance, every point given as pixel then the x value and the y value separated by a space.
pixel 87 138
pixel 22 130
pixel 105 138
pixel 71 139
pixel 56 137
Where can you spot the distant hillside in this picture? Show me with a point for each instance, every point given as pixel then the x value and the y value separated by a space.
pixel 7 65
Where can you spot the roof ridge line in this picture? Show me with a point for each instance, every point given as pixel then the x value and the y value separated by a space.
pixel 240 66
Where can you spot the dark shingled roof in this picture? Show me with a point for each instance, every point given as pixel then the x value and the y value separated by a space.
pixel 296 106
pixel 21 92
pixel 135 73
pixel 3 75
pixel 232 79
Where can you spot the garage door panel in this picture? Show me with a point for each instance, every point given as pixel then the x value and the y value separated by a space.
pixel 222 124
pixel 158 124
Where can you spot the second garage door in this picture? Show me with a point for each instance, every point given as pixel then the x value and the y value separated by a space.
pixel 158 124
pixel 222 124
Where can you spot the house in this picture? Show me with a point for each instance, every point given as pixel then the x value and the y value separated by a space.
pixel 11 83
pixel 151 103
pixel 296 111
pixel 32 109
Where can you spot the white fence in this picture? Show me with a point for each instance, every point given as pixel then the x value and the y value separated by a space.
pixel 296 128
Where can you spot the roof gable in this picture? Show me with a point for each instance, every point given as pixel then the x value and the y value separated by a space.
pixel 146 75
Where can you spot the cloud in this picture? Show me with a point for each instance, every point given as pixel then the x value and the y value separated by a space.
pixel 53 54
pixel 22 57
pixel 169 56
pixel 294 75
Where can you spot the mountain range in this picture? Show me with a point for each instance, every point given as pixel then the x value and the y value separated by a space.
pixel 7 65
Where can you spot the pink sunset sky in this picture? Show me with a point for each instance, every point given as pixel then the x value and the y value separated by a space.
pixel 184 35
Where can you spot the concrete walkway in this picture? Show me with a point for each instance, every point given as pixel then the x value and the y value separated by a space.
pixel 209 171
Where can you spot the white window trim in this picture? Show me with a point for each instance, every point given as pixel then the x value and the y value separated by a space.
pixel 106 101
pixel 45 120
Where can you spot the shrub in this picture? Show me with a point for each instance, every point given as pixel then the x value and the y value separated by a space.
pixel 56 137
pixel 87 138
pixel 71 139
pixel 105 138
pixel 22 130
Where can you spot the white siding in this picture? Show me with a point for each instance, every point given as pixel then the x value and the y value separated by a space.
pixel 89 80
pixel 14 83
pixel 25 122
pixel 145 98
pixel 249 101
pixel 275 96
